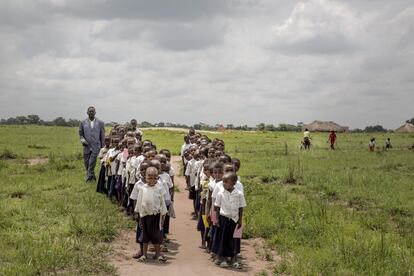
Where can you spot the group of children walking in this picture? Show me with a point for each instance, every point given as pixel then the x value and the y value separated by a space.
pixel 217 196
pixel 140 178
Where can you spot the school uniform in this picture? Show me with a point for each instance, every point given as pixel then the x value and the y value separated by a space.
pixel 229 204
pixel 133 198
pixel 100 185
pixel 167 183
pixel 190 172
pixel 150 207
pixel 111 171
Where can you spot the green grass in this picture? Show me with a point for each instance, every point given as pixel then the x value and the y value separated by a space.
pixel 347 212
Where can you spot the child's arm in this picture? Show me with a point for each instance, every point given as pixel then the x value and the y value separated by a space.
pixel 217 210
pixel 239 223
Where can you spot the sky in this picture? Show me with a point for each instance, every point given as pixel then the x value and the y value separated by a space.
pixel 214 61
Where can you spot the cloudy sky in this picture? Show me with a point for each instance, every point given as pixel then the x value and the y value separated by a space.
pixel 212 61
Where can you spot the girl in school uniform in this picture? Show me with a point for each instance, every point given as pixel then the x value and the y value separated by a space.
pixel 229 204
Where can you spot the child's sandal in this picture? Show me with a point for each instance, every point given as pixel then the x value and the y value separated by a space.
pixel 136 256
pixel 142 259
pixel 224 264
pixel 162 259
pixel 237 265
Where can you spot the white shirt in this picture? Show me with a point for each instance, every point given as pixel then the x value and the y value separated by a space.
pixel 184 147
pixel 229 203
pixel 131 167
pixel 135 190
pixel 163 186
pixel 219 187
pixel 92 122
pixel 191 172
pixel 172 172
pixel 150 201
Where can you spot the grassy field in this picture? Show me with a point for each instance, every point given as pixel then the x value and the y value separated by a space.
pixel 347 212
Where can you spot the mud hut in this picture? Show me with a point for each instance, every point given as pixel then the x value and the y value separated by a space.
pixel 325 126
pixel 405 128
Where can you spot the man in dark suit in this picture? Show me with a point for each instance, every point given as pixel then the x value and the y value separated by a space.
pixel 92 135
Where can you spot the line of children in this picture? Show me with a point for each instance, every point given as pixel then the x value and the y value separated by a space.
pixel 141 181
pixel 217 195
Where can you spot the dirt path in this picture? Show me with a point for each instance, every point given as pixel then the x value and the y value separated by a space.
pixel 184 258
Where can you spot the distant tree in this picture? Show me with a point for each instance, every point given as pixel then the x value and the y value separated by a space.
pixel 261 127
pixel 22 120
pixel 411 121
pixel 270 127
pixel 59 121
pixel 33 119
pixel 73 122
pixel 376 128
pixel 146 124
pixel 161 124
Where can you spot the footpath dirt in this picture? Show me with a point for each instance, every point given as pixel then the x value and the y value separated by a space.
pixel 184 256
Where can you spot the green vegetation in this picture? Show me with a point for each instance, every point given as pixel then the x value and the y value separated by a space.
pixel 344 212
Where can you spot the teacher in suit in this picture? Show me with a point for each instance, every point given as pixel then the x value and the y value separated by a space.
pixel 92 135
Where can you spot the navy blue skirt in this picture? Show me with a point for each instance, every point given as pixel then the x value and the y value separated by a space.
pixel 101 185
pixel 226 242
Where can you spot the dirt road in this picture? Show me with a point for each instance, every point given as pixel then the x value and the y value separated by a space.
pixel 184 256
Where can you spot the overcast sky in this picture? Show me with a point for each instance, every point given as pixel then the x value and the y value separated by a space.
pixel 212 61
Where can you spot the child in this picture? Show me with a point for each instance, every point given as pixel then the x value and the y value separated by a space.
pixel 100 186
pixel 372 144
pixel 112 154
pixel 204 181
pixel 229 204
pixel 190 174
pixel 133 197
pixel 151 209
pixel 332 139
pixel 185 147
pixel 388 144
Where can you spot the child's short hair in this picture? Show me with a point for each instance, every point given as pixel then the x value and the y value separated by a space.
pixel 155 163
pixel 216 166
pixel 232 176
pixel 151 170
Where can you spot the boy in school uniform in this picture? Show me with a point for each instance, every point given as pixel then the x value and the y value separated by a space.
pixel 151 209
pixel 229 204
pixel 101 185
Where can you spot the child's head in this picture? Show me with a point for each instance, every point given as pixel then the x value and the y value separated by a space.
pixel 155 163
pixel 120 146
pixel 229 180
pixel 114 141
pixel 166 167
pixel 206 169
pixel 217 171
pixel 130 142
pixel 229 167
pixel 187 139
pixel 225 159
pixel 107 141
pixel 143 168
pixel 167 154
pixel 236 163
pixel 151 176
pixel 149 155
pixel 146 143
pixel 137 149
pixel 161 158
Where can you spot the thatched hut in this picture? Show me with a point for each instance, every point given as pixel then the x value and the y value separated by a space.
pixel 405 128
pixel 325 126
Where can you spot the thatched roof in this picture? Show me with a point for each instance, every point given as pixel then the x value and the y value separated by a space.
pixel 406 128
pixel 325 126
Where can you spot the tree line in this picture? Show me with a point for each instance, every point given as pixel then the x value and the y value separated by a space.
pixel 34 119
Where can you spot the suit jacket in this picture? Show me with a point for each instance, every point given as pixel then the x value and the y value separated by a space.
pixel 94 136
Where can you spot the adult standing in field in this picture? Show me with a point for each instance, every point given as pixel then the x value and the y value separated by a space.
pixel 92 136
